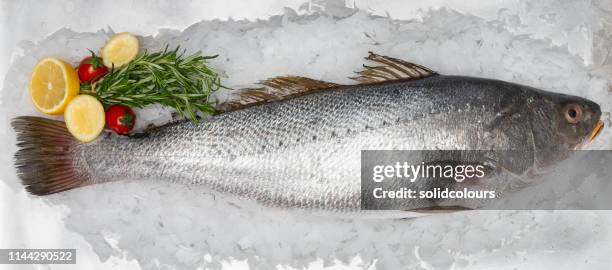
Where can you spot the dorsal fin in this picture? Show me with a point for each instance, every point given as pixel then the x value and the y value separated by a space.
pixel 283 87
pixel 274 89
pixel 391 69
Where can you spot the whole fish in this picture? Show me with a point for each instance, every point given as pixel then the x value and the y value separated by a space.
pixel 296 142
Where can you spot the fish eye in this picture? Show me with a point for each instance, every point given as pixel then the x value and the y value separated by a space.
pixel 573 113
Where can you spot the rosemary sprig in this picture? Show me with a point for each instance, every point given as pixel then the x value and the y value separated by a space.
pixel 168 78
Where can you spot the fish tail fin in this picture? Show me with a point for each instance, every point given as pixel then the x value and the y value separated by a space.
pixel 44 159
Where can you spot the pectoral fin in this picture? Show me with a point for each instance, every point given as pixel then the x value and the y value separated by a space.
pixel 439 209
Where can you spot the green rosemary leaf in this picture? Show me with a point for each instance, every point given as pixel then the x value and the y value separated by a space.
pixel 168 77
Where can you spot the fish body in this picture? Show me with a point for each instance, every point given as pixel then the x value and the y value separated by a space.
pixel 304 151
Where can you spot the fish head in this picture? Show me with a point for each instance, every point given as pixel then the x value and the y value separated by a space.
pixel 561 124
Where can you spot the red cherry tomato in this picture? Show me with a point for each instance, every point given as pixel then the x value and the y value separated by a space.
pixel 120 119
pixel 91 69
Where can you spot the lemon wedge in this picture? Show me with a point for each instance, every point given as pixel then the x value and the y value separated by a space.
pixel 53 84
pixel 120 50
pixel 84 118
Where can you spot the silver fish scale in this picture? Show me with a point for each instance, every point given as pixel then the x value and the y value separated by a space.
pixel 304 152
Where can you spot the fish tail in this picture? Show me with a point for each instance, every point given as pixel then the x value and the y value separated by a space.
pixel 44 160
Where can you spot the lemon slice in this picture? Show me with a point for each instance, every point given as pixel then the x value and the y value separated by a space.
pixel 52 85
pixel 120 50
pixel 84 118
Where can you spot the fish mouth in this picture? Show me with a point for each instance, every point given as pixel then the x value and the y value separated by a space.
pixel 596 130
